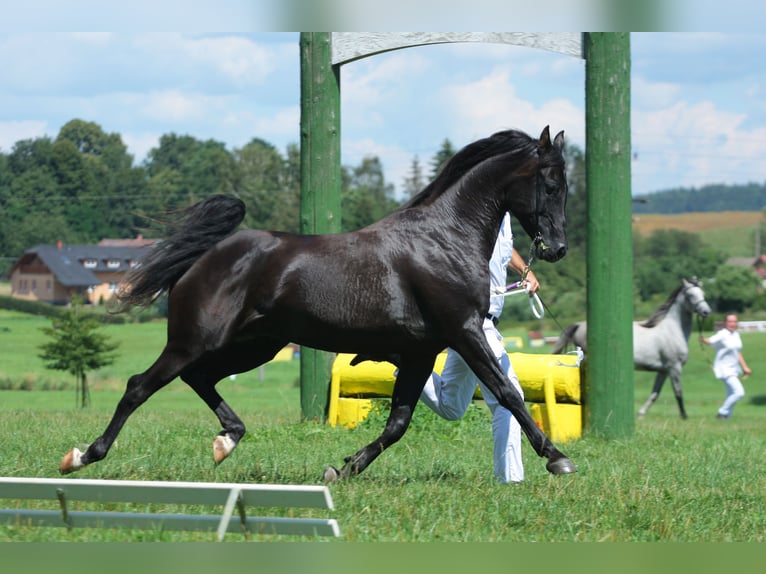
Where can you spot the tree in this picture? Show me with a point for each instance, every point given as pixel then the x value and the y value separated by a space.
pixel 733 289
pixel 667 255
pixel 261 177
pixel 196 168
pixel 441 157
pixel 76 347
pixel 367 197
pixel 414 182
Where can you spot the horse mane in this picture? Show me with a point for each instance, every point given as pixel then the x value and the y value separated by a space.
pixel 662 310
pixel 507 141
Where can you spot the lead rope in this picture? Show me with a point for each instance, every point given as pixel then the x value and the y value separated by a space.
pixel 703 346
pixel 530 260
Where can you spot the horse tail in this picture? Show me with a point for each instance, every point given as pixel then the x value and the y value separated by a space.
pixel 193 231
pixel 566 337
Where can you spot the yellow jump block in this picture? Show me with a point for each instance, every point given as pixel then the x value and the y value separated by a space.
pixel 547 381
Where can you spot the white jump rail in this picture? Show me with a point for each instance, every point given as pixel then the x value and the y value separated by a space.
pixel 231 496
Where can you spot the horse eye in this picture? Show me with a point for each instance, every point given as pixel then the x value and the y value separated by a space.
pixel 551 183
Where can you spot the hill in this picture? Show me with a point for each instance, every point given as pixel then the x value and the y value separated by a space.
pixel 709 198
pixel 733 232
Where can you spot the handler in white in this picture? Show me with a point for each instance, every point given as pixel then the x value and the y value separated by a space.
pixel 729 363
pixel 450 394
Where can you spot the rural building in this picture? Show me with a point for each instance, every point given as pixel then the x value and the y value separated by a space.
pixel 760 268
pixel 758 265
pixel 54 273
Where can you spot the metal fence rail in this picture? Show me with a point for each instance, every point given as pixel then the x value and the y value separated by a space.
pixel 230 496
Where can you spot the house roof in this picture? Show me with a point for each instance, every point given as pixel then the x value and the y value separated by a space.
pixel 66 262
pixel 139 241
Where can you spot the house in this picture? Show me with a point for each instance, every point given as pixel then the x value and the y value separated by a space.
pixel 760 268
pixel 758 265
pixel 54 273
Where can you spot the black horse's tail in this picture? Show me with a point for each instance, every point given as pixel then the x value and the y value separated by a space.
pixel 566 337
pixel 192 232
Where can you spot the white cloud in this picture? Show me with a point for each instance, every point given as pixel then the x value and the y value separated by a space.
pixel 13 131
pixel 208 61
pixel 646 94
pixel 238 58
pixel 371 87
pixel 177 107
pixel 500 107
pixel 139 144
pixel 692 145
pixel 285 123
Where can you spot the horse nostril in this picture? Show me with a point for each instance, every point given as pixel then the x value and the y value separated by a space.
pixel 561 251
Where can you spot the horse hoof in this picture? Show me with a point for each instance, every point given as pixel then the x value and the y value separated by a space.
pixel 331 474
pixel 72 461
pixel 561 466
pixel 222 447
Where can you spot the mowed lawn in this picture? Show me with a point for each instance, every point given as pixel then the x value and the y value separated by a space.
pixel 683 481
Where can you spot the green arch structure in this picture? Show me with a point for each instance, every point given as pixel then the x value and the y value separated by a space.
pixel 608 382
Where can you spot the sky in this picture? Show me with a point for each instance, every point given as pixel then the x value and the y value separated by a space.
pixel 698 99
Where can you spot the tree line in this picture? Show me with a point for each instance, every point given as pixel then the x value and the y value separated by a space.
pixel 83 186
pixel 708 198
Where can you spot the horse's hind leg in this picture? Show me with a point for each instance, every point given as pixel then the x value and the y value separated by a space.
pixel 409 384
pixel 203 376
pixel 139 389
pixel 659 380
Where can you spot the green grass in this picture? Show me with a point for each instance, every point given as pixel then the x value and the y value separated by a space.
pixel 697 480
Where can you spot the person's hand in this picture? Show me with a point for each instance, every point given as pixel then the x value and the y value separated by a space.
pixel 531 283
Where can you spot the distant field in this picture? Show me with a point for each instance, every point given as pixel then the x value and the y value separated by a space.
pixel 646 223
pixel 730 231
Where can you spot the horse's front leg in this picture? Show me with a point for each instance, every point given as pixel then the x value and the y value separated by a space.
pixel 409 384
pixel 659 380
pixel 675 380
pixel 476 352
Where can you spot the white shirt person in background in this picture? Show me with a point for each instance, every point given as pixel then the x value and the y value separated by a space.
pixel 729 363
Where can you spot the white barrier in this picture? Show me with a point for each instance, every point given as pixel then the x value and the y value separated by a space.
pixel 230 496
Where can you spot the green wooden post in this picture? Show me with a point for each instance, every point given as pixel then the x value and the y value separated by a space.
pixel 609 393
pixel 320 186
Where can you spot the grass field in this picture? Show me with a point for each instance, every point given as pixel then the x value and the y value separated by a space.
pixel 700 480
pixel 733 232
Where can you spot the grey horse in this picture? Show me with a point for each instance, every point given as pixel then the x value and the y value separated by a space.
pixel 661 343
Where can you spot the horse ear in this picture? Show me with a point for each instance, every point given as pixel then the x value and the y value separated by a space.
pixel 559 141
pixel 545 138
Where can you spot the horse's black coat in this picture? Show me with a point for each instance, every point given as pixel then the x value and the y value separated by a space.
pixel 401 289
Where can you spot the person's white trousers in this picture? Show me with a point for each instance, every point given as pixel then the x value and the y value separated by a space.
pixel 450 394
pixel 734 392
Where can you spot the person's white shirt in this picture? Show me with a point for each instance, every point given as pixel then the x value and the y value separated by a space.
pixel 727 345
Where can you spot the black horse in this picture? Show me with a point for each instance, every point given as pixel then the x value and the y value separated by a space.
pixel 399 290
